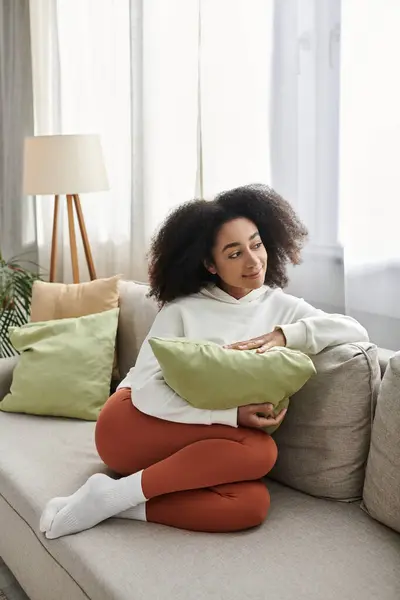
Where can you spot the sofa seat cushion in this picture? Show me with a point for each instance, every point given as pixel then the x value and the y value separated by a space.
pixel 307 549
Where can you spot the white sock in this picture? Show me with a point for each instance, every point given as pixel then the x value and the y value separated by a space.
pixel 137 513
pixel 100 498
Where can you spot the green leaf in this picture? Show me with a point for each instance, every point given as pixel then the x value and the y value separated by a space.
pixel 6 322
pixel 15 299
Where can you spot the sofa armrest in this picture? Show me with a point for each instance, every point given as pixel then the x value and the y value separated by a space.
pixel 384 356
pixel 7 366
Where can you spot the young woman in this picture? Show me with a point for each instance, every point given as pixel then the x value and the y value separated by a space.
pixel 217 269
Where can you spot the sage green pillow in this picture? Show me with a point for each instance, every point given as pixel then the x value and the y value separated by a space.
pixel 209 376
pixel 65 366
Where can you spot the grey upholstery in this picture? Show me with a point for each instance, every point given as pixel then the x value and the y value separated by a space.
pixel 308 549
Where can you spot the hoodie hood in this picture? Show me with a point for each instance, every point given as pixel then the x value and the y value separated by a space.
pixel 215 293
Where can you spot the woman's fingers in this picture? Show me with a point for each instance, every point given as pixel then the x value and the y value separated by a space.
pixel 236 346
pixel 279 418
pixel 247 345
pixel 259 421
pixel 270 421
pixel 261 343
pixel 259 415
pixel 266 409
pixel 263 348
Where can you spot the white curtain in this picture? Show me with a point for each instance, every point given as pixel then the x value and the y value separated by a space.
pixel 174 90
pixel 47 108
pixel 236 42
pixel 369 165
pixel 17 231
pixel 195 96
pixel 81 73
pixel 305 139
pixel 334 141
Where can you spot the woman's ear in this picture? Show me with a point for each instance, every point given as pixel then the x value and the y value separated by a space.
pixel 210 268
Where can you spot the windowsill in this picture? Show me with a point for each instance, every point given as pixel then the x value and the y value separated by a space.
pixel 324 251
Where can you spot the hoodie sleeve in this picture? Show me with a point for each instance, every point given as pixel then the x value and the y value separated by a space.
pixel 312 330
pixel 151 394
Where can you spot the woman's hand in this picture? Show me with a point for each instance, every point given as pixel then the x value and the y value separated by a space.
pixel 262 343
pixel 259 415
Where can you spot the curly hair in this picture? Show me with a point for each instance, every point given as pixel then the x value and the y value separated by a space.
pixel 184 243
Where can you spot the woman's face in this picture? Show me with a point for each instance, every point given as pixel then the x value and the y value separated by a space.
pixel 239 257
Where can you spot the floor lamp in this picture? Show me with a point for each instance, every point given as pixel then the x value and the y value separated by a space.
pixel 66 165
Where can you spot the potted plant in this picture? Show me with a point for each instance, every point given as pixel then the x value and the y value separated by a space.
pixel 15 298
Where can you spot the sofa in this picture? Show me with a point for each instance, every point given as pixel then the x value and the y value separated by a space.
pixel 316 544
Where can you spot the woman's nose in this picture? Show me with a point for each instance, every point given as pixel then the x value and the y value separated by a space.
pixel 252 260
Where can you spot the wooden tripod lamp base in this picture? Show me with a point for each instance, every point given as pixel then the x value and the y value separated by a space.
pixel 73 201
pixel 55 164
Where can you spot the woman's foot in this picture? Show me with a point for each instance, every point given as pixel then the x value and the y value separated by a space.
pixel 100 498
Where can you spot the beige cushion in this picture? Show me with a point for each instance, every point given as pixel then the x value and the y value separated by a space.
pixel 308 549
pixel 324 440
pixel 382 482
pixel 61 301
pixel 136 316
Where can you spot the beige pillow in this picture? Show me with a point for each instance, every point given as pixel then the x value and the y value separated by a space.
pixel 323 442
pixel 381 497
pixel 51 301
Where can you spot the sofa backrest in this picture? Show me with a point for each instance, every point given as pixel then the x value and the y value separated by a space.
pixel 137 313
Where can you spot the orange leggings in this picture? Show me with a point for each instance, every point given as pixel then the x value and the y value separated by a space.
pixel 196 477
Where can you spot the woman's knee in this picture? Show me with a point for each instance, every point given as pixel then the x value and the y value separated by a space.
pixel 110 426
pixel 264 453
pixel 255 503
pixel 272 453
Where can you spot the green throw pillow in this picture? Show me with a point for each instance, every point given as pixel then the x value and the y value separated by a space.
pixel 209 376
pixel 65 366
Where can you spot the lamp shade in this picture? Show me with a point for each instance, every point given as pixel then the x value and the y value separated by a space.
pixel 64 164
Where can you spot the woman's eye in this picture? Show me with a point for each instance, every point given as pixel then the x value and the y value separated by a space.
pixel 258 245
pixel 235 255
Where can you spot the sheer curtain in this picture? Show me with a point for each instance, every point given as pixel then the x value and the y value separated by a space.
pixel 173 88
pixel 17 231
pixel 127 71
pixel 369 165
pixel 195 96
pixel 47 111
pixel 305 140
pixel 236 46
pixel 81 85
pixel 334 141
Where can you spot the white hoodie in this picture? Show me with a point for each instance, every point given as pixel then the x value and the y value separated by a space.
pixel 214 315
